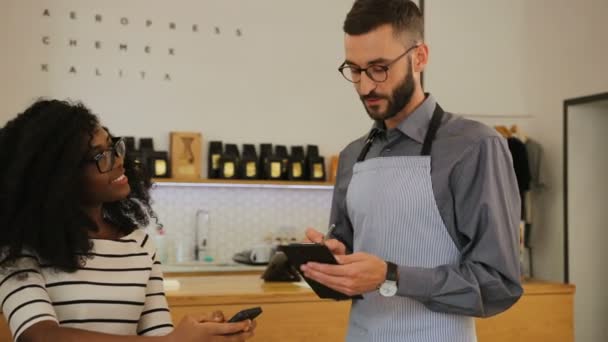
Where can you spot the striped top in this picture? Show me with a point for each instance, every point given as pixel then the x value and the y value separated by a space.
pixel 118 291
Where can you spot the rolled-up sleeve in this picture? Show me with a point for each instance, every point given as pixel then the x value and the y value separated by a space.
pixel 486 281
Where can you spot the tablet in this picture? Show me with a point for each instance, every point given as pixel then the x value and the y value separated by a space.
pixel 299 254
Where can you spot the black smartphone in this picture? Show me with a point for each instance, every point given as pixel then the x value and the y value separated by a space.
pixel 299 254
pixel 242 315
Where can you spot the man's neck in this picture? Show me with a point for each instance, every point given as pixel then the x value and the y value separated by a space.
pixel 417 99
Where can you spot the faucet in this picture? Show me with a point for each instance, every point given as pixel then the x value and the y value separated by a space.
pixel 201 236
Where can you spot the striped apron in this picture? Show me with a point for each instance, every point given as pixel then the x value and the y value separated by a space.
pixel 392 208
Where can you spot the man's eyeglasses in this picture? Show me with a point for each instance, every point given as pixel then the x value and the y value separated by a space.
pixel 106 159
pixel 376 72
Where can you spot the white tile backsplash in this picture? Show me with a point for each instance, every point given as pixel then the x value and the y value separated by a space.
pixel 239 217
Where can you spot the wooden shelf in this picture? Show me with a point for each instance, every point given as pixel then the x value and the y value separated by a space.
pixel 241 183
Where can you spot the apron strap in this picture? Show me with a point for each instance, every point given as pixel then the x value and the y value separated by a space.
pixel 432 131
pixel 368 143
pixel 428 138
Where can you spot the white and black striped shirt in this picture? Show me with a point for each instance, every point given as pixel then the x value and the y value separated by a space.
pixel 118 291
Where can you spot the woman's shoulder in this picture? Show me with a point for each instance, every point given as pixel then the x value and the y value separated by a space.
pixel 136 241
pixel 18 265
pixel 143 239
pixel 25 257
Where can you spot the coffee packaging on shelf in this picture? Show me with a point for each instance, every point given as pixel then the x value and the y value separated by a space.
pixel 213 159
pixel 229 163
pixel 249 163
pixel 297 164
pixel 281 152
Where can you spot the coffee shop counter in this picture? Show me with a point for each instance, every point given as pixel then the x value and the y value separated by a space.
pixel 292 312
pixel 204 269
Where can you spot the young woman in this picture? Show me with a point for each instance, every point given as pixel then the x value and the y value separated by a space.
pixel 74 265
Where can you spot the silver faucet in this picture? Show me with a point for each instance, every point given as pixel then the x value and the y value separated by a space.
pixel 201 234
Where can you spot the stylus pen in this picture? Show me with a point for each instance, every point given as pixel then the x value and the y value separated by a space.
pixel 329 231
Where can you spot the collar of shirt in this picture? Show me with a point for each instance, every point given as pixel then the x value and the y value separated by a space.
pixel 417 123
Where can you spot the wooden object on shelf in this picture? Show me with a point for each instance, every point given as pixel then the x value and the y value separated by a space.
pixel 186 155
pixel 503 130
pixel 333 169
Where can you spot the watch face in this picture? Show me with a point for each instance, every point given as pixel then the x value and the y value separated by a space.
pixel 388 289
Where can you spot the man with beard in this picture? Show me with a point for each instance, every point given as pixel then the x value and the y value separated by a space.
pixel 426 208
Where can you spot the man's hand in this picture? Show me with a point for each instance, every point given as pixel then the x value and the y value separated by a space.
pixel 335 246
pixel 357 273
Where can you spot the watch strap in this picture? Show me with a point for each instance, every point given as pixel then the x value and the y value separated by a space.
pixel 391 271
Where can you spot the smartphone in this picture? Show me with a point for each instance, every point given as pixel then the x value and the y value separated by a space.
pixel 251 314
pixel 299 254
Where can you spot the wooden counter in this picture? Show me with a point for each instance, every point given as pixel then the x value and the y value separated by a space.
pixel 291 312
pixel 545 313
pixel 294 313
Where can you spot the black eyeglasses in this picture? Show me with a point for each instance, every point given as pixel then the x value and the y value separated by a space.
pixel 376 72
pixel 105 160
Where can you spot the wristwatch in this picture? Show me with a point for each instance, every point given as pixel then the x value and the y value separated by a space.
pixel 389 286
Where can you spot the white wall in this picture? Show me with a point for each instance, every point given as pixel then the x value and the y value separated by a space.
pixel 522 58
pixel 567 57
pixel 277 83
pixel 588 218
pixel 477 65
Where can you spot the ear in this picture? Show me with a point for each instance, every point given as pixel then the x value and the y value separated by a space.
pixel 420 57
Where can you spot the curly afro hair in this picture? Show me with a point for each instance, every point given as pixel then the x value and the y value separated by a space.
pixel 41 153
